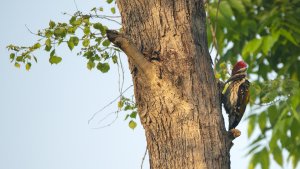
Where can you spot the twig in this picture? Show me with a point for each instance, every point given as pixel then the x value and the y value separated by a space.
pixel 217 48
pixel 76 5
pixel 144 157
pixel 33 32
pixel 108 104
pixel 109 124
pixel 213 33
pixel 122 68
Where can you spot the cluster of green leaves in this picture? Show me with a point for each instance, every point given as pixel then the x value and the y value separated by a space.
pixel 83 30
pixel 128 105
pixel 86 31
pixel 267 36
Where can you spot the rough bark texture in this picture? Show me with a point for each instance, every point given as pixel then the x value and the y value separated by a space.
pixel 177 97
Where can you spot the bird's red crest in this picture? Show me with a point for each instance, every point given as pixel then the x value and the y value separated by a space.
pixel 239 65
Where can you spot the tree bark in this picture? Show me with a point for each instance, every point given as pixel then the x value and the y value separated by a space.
pixel 177 95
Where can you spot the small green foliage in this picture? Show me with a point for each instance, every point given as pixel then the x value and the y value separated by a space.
pixel 109 1
pixel 19 58
pixel 81 30
pixel 55 59
pixel 28 65
pixel 36 46
pixel 86 30
pixel 106 43
pixel 17 65
pixel 113 10
pixel 86 42
pixel 103 67
pixel 132 124
pixel 225 9
pixel 12 56
pixel 51 24
pixel 126 104
pixel 115 59
pixel 277 155
pixel 268 42
pixel 251 47
pixel 251 125
pixel 133 114
pixel 90 65
pixel 262 121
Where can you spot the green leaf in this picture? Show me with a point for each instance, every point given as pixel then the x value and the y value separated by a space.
pixel 35 59
pixel 48 42
pixel 262 120
pixel 103 67
pixel 17 65
pixel 269 96
pixel 113 10
pixel 225 9
pixel 60 32
pixel 132 124
pixel 86 42
pixel 277 155
pixel 101 9
pixel 28 66
pixel 71 44
pixel 90 65
pixel 114 59
pixel 237 5
pixel 251 47
pixel 77 22
pixel 106 43
pixel 86 30
pixel 120 104
pixel 75 40
pixel 36 46
pixel 268 42
pixel 133 114
pixel 288 35
pixel 264 158
pixel 251 125
pixel 253 162
pixel 109 1
pixel 128 107
pixel 12 56
pixel 19 58
pixel 100 27
pixel 126 117
pixel 52 52
pixel 51 24
pixel 55 59
pixel 48 33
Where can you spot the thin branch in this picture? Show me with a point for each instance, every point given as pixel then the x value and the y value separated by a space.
pixel 131 51
pixel 109 124
pixel 144 157
pixel 122 68
pixel 213 32
pixel 76 5
pixel 34 33
pixel 216 24
pixel 110 103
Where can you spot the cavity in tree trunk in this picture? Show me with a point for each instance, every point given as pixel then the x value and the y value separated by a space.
pixel 177 95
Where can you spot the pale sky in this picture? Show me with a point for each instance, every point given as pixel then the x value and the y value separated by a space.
pixel 44 112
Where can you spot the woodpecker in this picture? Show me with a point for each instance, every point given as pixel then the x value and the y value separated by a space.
pixel 235 95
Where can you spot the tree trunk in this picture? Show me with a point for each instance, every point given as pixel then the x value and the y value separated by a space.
pixel 175 89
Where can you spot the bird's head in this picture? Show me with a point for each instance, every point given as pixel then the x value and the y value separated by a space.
pixel 239 67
